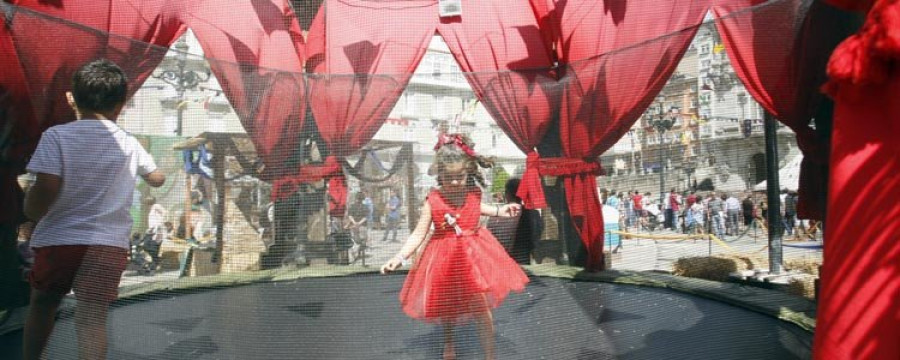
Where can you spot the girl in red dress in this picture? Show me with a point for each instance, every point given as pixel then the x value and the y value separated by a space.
pixel 463 272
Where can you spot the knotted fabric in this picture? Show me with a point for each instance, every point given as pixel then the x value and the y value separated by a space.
pixel 308 173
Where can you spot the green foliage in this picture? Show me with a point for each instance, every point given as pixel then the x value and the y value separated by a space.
pixel 500 177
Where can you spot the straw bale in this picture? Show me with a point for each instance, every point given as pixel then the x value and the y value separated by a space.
pixel 802 286
pixel 709 268
pixel 804 265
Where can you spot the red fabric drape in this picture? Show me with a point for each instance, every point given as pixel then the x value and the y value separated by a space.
pixel 58 37
pixel 41 46
pixel 258 52
pixel 858 310
pixel 363 69
pixel 510 70
pixel 853 5
pixel 16 115
pixel 615 59
pixel 779 50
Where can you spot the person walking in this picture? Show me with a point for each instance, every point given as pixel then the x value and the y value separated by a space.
pixel 393 216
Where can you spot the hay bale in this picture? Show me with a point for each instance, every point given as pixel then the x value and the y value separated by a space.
pixel 804 286
pixel 804 265
pixel 709 268
pixel 746 262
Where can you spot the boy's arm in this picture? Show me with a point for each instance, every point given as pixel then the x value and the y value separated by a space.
pixel 152 175
pixel 155 178
pixel 41 195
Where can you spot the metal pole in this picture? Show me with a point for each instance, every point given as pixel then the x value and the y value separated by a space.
pixel 662 169
pixel 772 189
pixel 180 112
pixel 180 85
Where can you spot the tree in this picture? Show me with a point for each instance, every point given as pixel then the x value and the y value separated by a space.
pixel 500 177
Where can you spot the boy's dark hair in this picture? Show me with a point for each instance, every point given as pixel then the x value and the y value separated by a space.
pixel 99 86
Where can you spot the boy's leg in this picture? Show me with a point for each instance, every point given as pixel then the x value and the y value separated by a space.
pixel 90 325
pixel 51 279
pixel 39 322
pixel 96 286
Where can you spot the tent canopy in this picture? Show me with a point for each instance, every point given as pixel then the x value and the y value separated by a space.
pixel 788 175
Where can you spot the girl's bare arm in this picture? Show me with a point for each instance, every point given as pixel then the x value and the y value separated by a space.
pixel 413 242
pixel 505 210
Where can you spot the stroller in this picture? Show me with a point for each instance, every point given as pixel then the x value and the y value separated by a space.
pixel 144 253
pixel 653 217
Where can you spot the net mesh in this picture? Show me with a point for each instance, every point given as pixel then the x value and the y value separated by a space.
pixel 299 136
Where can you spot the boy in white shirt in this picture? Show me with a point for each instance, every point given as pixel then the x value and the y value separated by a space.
pixel 86 172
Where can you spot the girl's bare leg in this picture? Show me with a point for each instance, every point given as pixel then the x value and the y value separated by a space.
pixel 449 352
pixel 486 331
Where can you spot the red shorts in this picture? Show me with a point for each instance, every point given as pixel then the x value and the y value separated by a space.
pixel 92 271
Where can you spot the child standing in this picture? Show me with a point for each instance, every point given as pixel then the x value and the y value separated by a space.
pixel 463 272
pixel 85 176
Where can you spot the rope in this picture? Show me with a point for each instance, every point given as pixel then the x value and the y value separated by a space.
pixel 711 237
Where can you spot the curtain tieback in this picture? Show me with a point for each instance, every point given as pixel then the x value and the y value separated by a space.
pixel 569 167
pixel 309 173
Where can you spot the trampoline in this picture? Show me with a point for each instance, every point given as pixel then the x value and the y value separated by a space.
pixel 357 316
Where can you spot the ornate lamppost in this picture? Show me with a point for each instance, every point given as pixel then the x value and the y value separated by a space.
pixel 181 79
pixel 661 124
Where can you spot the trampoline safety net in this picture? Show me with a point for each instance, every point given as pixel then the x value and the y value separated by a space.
pixel 418 179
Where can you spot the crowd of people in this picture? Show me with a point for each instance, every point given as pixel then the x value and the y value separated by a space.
pixel 719 213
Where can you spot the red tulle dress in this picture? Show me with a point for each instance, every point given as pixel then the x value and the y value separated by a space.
pixel 457 276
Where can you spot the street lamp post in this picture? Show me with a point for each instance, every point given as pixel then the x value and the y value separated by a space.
pixel 662 124
pixel 181 79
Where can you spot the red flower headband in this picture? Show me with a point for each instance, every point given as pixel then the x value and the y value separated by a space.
pixel 455 139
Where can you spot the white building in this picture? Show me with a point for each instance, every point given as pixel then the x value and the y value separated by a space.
pixel 437 92
pixel 153 110
pixel 703 96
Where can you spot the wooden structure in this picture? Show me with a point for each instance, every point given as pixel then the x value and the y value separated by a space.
pixel 238 245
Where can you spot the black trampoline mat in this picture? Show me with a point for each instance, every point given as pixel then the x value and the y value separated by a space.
pixel 359 317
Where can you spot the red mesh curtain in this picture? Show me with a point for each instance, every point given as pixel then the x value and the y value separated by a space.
pixel 779 51
pixel 258 62
pixel 132 35
pixel 510 70
pixel 362 70
pixel 612 66
pixel 102 28
pixel 21 132
pixel 858 311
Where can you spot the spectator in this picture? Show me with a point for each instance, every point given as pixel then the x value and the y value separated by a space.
pixel 717 213
pixel 393 216
pixel 672 209
pixel 529 229
pixel 370 209
pixel 790 211
pixel 357 224
pixel 156 231
pixel 733 211
pixel 747 210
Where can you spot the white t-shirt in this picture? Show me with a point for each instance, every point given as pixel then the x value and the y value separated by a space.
pixel 99 164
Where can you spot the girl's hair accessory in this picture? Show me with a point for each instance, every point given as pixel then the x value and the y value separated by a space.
pixel 455 139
